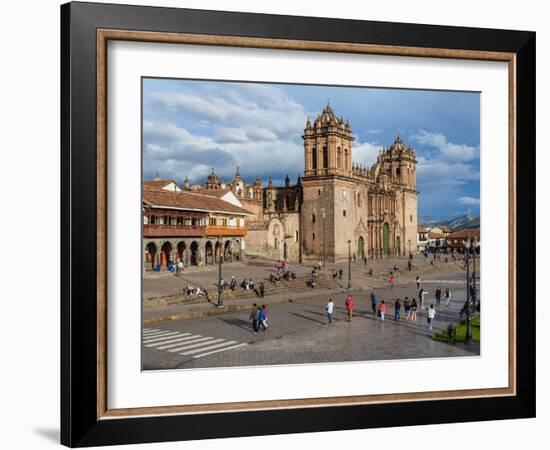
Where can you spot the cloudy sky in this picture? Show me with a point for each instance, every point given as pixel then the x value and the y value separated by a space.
pixel 191 126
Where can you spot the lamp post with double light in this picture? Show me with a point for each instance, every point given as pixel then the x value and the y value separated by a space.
pixel 467 245
pixel 220 287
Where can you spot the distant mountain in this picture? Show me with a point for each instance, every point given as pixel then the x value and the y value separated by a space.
pixel 456 223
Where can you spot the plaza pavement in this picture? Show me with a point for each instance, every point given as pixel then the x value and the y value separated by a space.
pixel 299 332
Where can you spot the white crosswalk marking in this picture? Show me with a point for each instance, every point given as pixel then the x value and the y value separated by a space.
pixel 162 333
pixel 223 344
pixel 171 339
pixel 196 343
pixel 161 338
pixel 150 330
pixel 220 350
pixel 186 343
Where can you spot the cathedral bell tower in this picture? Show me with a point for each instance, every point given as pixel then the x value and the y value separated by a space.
pixel 327 145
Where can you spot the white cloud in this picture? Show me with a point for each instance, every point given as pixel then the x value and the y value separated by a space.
pixel 469 201
pixel 447 150
pixel 365 153
pixel 374 131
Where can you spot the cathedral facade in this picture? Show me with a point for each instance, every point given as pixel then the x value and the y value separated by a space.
pixel 337 208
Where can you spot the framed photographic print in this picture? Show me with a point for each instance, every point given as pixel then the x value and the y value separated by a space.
pixel 292 222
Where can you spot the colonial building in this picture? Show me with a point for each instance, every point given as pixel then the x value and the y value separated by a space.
pixel 336 209
pixel 191 227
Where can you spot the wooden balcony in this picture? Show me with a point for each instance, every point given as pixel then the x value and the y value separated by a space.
pixel 157 230
pixel 226 231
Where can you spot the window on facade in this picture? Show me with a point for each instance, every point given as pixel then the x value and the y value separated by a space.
pixel 359 199
pixel 319 191
pixel 296 236
pixel 313 218
pixel 223 221
pixel 411 218
pixel 344 213
pixel 145 220
pixel 161 221
pixel 325 158
pixel 212 221
pixel 314 158
pixel 339 158
pixel 313 237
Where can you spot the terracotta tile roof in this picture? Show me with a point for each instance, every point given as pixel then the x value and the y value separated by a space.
pixel 432 235
pixel 421 229
pixel 192 201
pixel 445 229
pixel 469 233
pixel 158 184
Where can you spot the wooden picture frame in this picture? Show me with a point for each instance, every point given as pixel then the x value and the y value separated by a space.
pixel 86 419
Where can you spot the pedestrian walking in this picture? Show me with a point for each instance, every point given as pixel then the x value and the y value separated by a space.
pixel 262 318
pixel 431 315
pixel 414 307
pixel 392 281
pixel 382 309
pixel 438 296
pixel 254 313
pixel 397 315
pixel 350 304
pixel 407 306
pixel 329 308
pixel 340 274
pixel 262 289
pixel 447 296
pixel 373 302
pixel 417 282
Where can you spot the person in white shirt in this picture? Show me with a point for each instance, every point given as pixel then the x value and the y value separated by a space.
pixel 431 314
pixel 329 308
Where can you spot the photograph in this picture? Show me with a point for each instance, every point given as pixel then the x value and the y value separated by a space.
pixel 288 224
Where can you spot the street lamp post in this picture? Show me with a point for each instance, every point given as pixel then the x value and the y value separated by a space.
pixel 468 339
pixel 474 274
pixel 349 264
pixel 220 258
pixel 324 244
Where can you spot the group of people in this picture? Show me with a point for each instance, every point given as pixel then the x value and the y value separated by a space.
pixel 381 309
pixel 258 316
pixel 195 290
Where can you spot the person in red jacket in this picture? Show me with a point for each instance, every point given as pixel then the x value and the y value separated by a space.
pixel 350 304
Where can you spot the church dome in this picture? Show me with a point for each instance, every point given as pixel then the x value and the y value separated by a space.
pixel 397 146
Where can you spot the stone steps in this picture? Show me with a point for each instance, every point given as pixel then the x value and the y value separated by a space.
pixel 283 287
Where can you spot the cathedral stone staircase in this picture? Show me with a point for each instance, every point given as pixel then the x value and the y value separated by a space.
pixel 282 288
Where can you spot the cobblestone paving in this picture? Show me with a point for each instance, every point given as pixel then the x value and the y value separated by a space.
pixel 299 332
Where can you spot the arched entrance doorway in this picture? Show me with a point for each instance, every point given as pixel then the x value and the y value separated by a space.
pixel 228 252
pixel 194 247
pixel 386 239
pixel 165 254
pixel 361 248
pixel 237 250
pixel 151 254
pixel 398 246
pixel 181 253
pixel 209 253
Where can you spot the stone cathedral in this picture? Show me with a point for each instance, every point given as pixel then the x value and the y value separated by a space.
pixel 337 207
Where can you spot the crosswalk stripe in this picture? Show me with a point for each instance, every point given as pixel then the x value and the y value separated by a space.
pixel 160 333
pixel 172 339
pixel 196 343
pixel 223 344
pixel 220 350
pixel 162 338
pixel 188 340
pixel 150 331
